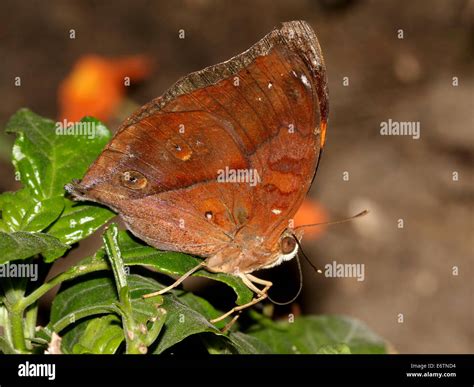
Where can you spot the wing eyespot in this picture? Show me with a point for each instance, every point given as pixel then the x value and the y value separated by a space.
pixel 133 180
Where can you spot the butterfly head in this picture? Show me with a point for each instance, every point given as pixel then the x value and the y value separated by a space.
pixel 250 253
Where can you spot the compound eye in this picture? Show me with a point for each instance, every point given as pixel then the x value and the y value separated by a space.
pixel 288 245
pixel 133 180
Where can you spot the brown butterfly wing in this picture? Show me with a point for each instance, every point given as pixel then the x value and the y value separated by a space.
pixel 180 168
pixel 263 110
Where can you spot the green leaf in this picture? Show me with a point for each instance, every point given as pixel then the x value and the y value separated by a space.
pixel 235 343
pixel 96 296
pixel 172 263
pixel 182 322
pixel 22 245
pixel 14 206
pixel 246 344
pixel 42 214
pixel 78 221
pixel 72 335
pixel 85 298
pixel 47 158
pixel 182 319
pixel 149 319
pixel 318 334
pixel 334 349
pixel 102 335
pixel 200 305
pixel 22 212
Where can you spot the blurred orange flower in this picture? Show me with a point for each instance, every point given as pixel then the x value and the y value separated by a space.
pixel 96 85
pixel 311 212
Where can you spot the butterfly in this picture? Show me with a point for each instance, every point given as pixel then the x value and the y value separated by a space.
pixel 219 164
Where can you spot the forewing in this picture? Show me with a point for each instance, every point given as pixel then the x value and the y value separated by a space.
pixel 264 112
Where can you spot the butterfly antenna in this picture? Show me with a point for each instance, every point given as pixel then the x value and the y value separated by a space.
pixel 300 274
pixel 300 248
pixel 360 214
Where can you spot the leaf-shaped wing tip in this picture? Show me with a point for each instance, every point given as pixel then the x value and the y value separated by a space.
pixel 76 190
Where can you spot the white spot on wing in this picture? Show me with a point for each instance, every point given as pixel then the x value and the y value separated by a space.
pixel 276 211
pixel 305 81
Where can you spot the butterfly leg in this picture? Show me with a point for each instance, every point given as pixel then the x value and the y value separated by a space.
pixel 260 281
pixel 229 324
pixel 177 282
pixel 248 280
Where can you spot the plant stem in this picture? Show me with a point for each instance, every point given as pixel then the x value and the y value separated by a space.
pixel 130 327
pixel 70 274
pixel 6 339
pixel 17 332
pixel 13 295
pixel 31 315
pixel 17 304
pixel 5 346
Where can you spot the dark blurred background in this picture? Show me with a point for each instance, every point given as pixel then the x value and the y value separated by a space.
pixel 408 271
